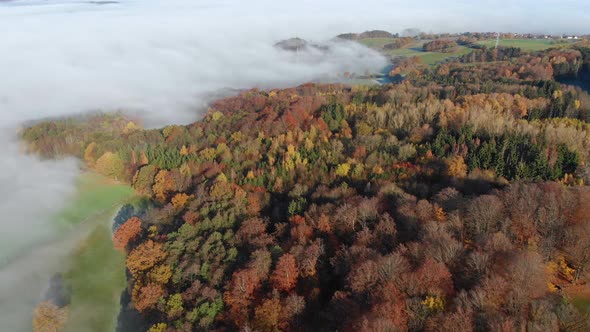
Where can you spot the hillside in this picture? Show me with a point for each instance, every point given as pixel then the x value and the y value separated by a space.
pixel 401 48
pixel 455 200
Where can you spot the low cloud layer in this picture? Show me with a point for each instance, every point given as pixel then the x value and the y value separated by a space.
pixel 31 191
pixel 160 59
pixel 31 250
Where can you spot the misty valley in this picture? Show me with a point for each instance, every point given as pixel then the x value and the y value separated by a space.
pixel 205 166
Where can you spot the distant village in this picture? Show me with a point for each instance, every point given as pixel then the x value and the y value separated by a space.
pixel 490 35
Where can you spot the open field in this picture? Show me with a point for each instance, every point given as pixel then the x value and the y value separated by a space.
pixel 376 42
pixel 96 271
pixel 415 49
pixel 95 194
pixel 82 251
pixel 431 58
pixel 96 277
pixel 524 44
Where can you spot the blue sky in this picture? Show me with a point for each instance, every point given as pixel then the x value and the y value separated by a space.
pixel 544 16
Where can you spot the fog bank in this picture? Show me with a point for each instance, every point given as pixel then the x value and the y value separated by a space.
pixel 31 191
pixel 161 58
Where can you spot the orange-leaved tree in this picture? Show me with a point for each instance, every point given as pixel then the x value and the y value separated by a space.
pixel 126 233
pixel 144 257
pixel 285 275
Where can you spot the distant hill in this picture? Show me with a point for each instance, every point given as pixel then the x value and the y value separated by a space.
pixel 376 34
pixel 366 34
pixel 292 44
pixel 298 44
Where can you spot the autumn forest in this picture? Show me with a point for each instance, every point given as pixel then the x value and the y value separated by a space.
pixel 454 200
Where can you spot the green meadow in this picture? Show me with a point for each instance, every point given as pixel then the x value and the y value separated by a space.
pixel 524 44
pixel 430 58
pixel 95 195
pixel 96 271
pixel 413 49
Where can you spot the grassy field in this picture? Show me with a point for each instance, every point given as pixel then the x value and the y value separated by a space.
pixel 376 42
pixel 427 57
pixel 96 277
pixel 524 44
pixel 95 194
pixel 96 271
pixel 431 58
pixel 415 49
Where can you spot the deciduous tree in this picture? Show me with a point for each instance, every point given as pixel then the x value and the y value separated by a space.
pixel 49 318
pixel 129 231
pixel 284 277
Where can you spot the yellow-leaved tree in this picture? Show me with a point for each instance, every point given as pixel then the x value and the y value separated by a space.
pixel 49 318
pixel 457 167
pixel 111 165
pixel 89 154
pixel 343 169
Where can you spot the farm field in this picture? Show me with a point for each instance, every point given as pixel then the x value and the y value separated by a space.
pixel 524 44
pixel 414 49
pixel 430 58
